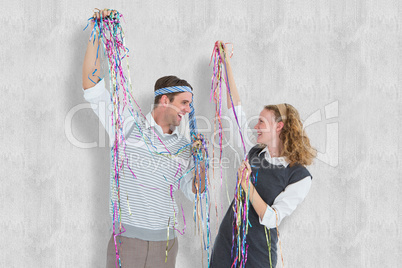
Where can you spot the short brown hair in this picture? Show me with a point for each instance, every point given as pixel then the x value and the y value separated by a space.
pixel 169 81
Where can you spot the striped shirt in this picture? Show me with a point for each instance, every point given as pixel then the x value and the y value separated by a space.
pixel 150 174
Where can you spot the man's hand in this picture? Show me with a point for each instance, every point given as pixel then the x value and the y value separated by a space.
pixel 199 183
pixel 105 13
pixel 91 65
pixel 198 145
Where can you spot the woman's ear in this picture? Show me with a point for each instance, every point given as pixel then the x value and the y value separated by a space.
pixel 279 126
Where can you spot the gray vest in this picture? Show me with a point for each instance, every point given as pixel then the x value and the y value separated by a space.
pixel 269 180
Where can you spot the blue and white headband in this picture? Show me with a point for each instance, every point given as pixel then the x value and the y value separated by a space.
pixel 175 89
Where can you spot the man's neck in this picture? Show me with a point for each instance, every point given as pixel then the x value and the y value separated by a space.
pixel 157 114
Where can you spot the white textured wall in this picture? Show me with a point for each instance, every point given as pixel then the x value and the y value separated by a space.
pixel 335 60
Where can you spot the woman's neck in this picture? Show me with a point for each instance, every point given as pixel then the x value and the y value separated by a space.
pixel 275 150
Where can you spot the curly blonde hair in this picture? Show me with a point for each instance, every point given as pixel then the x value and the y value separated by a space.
pixel 296 144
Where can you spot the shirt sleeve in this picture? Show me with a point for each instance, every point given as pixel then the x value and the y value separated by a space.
pixel 244 129
pixel 100 100
pixel 286 202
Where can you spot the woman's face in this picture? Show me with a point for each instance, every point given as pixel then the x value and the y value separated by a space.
pixel 267 128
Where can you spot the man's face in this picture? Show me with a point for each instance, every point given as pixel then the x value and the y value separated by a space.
pixel 178 108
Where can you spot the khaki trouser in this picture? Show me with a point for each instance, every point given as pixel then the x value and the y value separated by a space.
pixel 135 253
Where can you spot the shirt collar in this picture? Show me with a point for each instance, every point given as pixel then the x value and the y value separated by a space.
pixel 274 160
pixel 150 122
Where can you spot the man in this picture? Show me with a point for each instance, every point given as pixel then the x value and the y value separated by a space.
pixel 157 162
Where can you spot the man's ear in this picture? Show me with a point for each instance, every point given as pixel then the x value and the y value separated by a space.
pixel 164 100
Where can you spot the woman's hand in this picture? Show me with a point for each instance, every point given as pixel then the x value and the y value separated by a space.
pixel 244 172
pixel 224 56
pixel 223 51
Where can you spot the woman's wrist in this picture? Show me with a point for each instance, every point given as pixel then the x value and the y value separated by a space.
pixel 252 191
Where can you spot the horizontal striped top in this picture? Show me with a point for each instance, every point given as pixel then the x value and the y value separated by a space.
pixel 150 175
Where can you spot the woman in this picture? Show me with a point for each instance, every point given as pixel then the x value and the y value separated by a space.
pixel 278 182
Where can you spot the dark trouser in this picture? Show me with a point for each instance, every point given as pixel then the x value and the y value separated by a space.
pixel 139 253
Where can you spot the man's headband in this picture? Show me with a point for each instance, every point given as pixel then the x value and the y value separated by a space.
pixel 175 89
pixel 282 110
